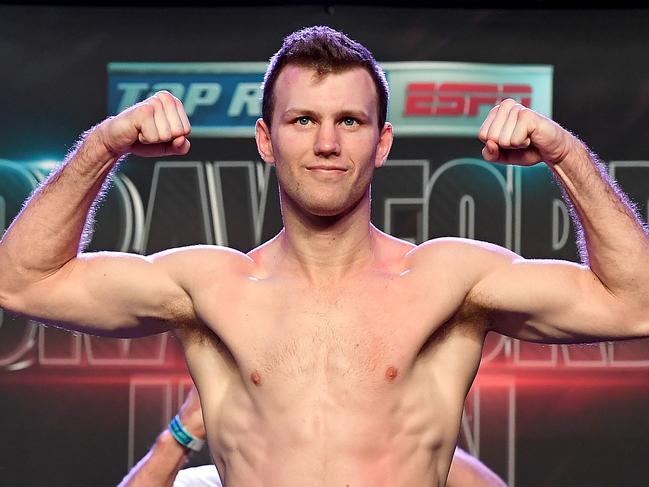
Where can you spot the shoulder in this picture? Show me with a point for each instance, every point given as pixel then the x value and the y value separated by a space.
pixel 466 259
pixel 204 258
pixel 460 248
pixel 203 267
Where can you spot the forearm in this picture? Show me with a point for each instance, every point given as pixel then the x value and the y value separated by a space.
pixel 612 240
pixel 48 231
pixel 160 466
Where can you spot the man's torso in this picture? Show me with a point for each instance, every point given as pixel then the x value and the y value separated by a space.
pixel 359 382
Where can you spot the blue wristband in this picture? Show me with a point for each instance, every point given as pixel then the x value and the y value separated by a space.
pixel 181 435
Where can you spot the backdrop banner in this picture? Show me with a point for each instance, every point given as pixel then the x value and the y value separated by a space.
pixel 81 410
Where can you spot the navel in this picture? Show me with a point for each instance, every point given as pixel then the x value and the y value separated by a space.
pixel 255 378
pixel 391 373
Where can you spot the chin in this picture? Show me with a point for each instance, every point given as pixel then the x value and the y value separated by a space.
pixel 326 203
pixel 326 211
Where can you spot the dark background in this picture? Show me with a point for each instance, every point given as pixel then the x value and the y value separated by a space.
pixel 67 426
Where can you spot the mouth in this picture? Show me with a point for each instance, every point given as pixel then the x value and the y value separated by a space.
pixel 327 169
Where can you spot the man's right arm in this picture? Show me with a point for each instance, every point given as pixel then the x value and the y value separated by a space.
pixel 42 273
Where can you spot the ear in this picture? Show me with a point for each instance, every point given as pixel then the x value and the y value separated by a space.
pixel 384 145
pixel 264 144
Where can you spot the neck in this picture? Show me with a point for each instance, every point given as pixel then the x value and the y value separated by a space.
pixel 326 248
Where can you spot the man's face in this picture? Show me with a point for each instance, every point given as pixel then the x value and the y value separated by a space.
pixel 324 140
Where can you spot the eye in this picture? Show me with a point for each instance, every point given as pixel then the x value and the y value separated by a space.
pixel 304 121
pixel 349 121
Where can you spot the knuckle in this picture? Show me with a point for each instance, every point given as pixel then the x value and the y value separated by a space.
pixel 166 98
pixel 177 132
pixel 154 102
pixel 517 140
pixel 525 115
pixel 164 134
pixel 146 109
pixel 516 108
pixel 181 111
pixel 163 94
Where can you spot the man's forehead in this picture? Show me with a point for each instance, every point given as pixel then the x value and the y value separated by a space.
pixel 295 82
pixel 294 72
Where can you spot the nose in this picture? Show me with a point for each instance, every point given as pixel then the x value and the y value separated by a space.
pixel 327 144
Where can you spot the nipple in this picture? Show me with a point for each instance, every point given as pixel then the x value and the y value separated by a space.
pixel 391 373
pixel 255 378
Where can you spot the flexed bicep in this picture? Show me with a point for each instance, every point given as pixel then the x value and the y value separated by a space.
pixel 109 293
pixel 550 301
pixel 42 276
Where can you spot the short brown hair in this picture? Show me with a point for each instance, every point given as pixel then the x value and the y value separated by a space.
pixel 326 51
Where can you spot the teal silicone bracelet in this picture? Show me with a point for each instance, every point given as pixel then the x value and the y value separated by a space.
pixel 181 435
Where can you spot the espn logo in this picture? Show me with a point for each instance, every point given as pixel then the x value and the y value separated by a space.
pixel 460 99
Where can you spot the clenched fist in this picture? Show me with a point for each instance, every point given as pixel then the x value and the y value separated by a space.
pixel 157 126
pixel 514 134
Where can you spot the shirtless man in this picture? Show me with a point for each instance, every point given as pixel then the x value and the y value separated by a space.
pixel 161 466
pixel 334 354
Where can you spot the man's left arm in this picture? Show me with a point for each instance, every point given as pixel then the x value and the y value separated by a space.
pixel 543 300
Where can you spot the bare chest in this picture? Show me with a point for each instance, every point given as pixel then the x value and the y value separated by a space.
pixel 284 334
pixel 330 344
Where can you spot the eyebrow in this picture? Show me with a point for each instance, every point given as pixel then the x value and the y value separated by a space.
pixel 297 112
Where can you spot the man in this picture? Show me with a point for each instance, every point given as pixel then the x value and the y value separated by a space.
pixel 333 354
pixel 161 465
